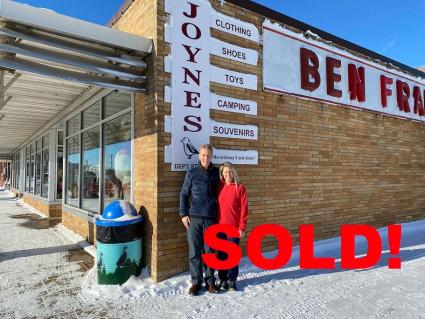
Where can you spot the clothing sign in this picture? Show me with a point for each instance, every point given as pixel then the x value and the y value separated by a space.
pixel 188 32
pixel 301 66
pixel 236 27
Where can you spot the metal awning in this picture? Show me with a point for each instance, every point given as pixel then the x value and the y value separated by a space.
pixel 49 60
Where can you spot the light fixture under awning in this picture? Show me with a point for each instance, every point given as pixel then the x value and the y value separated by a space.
pixel 43 42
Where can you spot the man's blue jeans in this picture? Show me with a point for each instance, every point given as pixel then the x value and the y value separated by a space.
pixel 195 238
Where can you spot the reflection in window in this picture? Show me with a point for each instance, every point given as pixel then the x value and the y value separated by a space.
pixel 38 174
pixel 91 170
pixel 32 173
pixel 117 159
pixel 59 166
pixel 73 125
pixel 115 103
pixel 73 169
pixel 91 115
pixel 45 180
pixel 27 172
pixel 59 173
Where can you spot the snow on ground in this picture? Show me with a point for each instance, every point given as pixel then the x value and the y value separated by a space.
pixel 39 281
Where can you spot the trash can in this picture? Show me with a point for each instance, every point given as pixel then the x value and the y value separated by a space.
pixel 119 243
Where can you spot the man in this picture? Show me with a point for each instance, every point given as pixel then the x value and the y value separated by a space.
pixel 200 190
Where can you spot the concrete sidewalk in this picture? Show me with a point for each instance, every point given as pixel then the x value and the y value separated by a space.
pixel 41 272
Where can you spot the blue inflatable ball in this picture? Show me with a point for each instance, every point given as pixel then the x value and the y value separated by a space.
pixel 119 209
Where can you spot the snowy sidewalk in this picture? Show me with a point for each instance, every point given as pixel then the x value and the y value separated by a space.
pixel 41 273
pixel 6 195
pixel 45 276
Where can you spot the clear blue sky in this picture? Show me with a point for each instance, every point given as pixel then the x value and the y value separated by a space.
pixel 394 28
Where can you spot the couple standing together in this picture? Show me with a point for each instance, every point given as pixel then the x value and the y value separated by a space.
pixel 210 196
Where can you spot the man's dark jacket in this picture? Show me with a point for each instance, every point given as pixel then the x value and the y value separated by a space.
pixel 198 197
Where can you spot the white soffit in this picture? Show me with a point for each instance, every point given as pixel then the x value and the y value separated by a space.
pixel 43 42
pixel 49 63
pixel 45 19
pixel 29 103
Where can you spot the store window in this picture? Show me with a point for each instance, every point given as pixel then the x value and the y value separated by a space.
pixel 91 169
pixel 15 170
pixel 73 125
pixel 117 159
pixel 115 103
pixel 73 170
pixel 37 167
pixel 91 115
pixel 37 173
pixel 59 166
pixel 27 169
pixel 105 155
pixel 45 179
pixel 32 169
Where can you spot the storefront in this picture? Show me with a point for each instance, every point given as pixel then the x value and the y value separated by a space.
pixel 322 131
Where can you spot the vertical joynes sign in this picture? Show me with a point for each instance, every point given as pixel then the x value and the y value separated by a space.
pixel 188 32
pixel 190 80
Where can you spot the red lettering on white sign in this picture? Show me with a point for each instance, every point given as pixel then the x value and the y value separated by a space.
pixel 309 68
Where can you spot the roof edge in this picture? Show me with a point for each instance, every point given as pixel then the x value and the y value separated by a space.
pixel 124 7
pixel 282 18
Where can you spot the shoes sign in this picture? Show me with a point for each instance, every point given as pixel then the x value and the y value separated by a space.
pixel 190 125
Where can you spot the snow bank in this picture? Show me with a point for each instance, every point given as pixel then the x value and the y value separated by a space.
pixel 139 287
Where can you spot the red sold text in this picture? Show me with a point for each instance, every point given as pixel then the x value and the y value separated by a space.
pixel 306 245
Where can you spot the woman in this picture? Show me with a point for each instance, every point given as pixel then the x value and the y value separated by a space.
pixel 232 210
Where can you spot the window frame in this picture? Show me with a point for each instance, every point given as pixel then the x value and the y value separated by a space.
pixel 100 123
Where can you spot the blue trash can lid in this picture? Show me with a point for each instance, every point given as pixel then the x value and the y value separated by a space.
pixel 119 213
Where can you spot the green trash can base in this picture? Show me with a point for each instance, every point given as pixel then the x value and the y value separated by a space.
pixel 118 262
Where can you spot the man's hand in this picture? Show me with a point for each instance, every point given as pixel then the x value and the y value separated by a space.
pixel 186 221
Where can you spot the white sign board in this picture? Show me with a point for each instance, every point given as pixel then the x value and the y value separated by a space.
pixel 235 157
pixel 229 104
pixel 188 31
pixel 245 132
pixel 305 67
pixel 234 52
pixel 234 26
pixel 232 78
pixel 190 80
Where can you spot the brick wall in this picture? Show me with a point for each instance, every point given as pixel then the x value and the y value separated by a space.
pixel 318 163
pixel 50 210
pixel 141 19
pixel 79 226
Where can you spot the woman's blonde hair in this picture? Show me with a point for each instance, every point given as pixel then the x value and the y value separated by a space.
pixel 232 168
